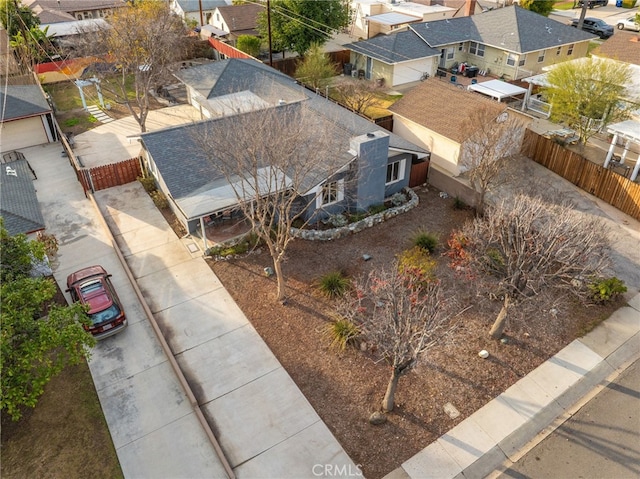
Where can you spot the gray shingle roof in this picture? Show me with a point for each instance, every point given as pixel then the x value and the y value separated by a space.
pixel 22 101
pixel 184 166
pixel 234 75
pixel 394 48
pixel 511 28
pixel 18 201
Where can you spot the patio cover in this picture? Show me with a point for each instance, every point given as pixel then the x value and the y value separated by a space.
pixel 628 130
pixel 220 195
pixel 497 89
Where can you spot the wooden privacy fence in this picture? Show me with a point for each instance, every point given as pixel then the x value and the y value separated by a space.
pixel 603 183
pixel 115 174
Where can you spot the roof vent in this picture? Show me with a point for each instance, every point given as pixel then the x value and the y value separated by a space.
pixel 282 102
pixel 11 172
pixel 370 135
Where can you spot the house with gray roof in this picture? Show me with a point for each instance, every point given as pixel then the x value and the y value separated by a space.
pixel 510 43
pixel 19 206
pixel 27 118
pixel 369 164
pixel 237 85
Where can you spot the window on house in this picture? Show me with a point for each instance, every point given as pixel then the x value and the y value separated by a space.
pixel 218 16
pixel 541 56
pixel 332 192
pixel 476 49
pixel 523 59
pixel 461 47
pixel 570 49
pixel 511 59
pixel 395 171
pixel 558 50
pixel 450 53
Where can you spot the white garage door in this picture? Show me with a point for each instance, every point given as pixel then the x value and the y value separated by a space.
pixel 22 134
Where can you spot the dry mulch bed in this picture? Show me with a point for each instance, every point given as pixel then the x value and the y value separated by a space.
pixel 345 387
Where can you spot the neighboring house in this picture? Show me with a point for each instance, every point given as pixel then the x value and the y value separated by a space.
pixel 370 17
pixel 19 206
pixel 56 11
pixel 199 11
pixel 236 20
pixel 374 165
pixel 625 47
pixel 27 118
pixel 232 86
pixel 434 116
pixel 509 42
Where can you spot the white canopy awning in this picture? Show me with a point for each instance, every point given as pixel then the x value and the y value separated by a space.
pixel 497 89
pixel 628 129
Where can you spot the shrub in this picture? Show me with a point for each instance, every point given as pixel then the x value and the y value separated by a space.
pixel 605 289
pixel 50 243
pixel 426 241
pixel 159 199
pixel 398 199
pixel 338 220
pixel 148 183
pixel 334 284
pixel 375 209
pixel 92 119
pixel 342 332
pixel 459 204
pixel 417 262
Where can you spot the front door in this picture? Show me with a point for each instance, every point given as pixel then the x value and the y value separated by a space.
pixel 369 68
pixel 443 58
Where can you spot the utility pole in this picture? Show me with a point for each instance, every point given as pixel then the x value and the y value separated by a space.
pixel 269 30
pixel 201 17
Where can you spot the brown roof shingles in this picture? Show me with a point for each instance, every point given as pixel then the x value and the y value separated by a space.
pixel 241 17
pixel 624 47
pixel 443 107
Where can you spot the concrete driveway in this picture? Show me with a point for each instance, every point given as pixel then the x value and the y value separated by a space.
pixel 152 423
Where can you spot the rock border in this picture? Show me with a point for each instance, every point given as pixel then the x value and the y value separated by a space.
pixel 353 228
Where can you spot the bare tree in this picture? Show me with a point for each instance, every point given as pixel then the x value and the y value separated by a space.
pixel 524 247
pixel 142 40
pixel 277 164
pixel 402 315
pixel 358 95
pixel 495 139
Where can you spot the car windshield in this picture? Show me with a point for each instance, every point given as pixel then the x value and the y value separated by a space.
pixel 599 22
pixel 105 315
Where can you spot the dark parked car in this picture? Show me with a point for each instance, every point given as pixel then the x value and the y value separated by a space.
pixel 593 3
pixel 594 25
pixel 92 286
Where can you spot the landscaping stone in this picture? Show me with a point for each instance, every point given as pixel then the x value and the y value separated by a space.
pixel 377 418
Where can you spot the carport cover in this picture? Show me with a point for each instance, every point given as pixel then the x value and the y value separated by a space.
pixel 497 89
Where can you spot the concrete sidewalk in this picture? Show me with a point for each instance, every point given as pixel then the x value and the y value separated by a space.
pixel 479 445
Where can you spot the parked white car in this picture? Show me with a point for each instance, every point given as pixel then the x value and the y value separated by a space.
pixel 629 24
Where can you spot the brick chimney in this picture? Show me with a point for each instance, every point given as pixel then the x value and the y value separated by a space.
pixel 470 8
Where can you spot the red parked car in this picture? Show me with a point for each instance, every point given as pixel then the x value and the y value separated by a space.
pixel 93 287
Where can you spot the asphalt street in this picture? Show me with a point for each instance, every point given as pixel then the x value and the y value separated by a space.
pixel 602 440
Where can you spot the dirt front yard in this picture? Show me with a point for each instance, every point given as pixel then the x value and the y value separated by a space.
pixel 345 387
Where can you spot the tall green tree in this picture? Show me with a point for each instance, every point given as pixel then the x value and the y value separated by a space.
pixel 249 44
pixel 16 17
pixel 37 340
pixel 586 94
pixel 296 24
pixel 543 7
pixel 316 69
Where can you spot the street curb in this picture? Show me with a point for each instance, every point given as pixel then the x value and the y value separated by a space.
pixel 501 431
